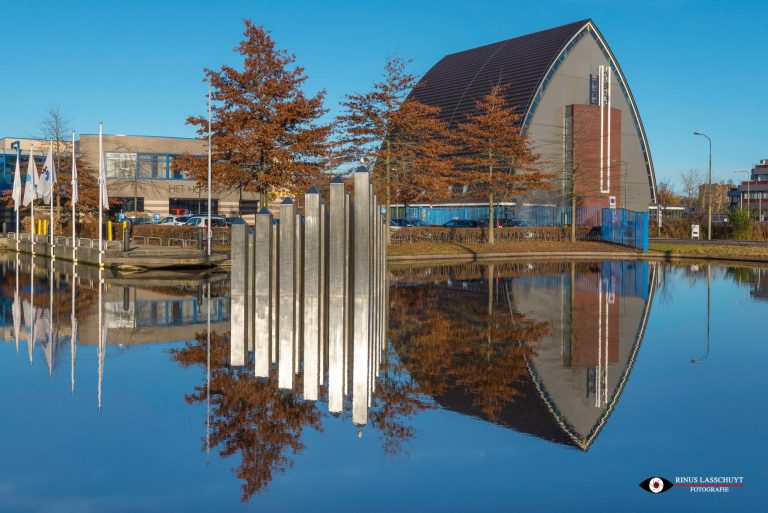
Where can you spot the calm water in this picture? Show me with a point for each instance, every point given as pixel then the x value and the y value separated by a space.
pixel 530 387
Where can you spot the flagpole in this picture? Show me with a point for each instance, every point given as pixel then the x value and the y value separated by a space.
pixel 208 379
pixel 73 339
pixel 101 341
pixel 50 310
pixel 18 170
pixel 51 176
pixel 101 177
pixel 32 203
pixel 16 300
pixel 74 200
pixel 209 229
pixel 31 339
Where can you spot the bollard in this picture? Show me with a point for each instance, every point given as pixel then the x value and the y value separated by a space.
pixel 337 278
pixel 239 277
pixel 109 230
pixel 312 270
pixel 286 292
pixel 262 296
pixel 361 225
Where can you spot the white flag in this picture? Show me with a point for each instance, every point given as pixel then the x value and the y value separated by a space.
pixel 30 184
pixel 47 178
pixel 103 182
pixel 16 309
pixel 16 195
pixel 75 187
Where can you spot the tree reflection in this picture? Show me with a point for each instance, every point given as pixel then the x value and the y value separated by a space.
pixel 250 416
pixel 397 398
pixel 456 337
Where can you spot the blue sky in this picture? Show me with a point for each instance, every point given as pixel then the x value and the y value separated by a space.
pixel 138 65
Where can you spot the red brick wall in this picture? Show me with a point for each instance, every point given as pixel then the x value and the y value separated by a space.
pixel 588 326
pixel 586 155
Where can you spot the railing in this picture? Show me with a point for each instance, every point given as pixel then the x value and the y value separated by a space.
pixel 532 215
pixel 625 227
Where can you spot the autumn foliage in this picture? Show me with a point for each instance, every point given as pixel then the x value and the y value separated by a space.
pixel 403 140
pixel 495 156
pixel 266 133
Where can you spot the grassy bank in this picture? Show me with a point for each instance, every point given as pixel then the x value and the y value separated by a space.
pixel 710 250
pixel 516 247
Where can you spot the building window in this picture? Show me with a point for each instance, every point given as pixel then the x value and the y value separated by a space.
pixel 174 172
pixel 121 164
pixel 183 206
pixel 249 207
pixel 126 205
pixel 153 166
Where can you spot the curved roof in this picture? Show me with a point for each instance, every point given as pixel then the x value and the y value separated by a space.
pixel 458 80
pixel 524 66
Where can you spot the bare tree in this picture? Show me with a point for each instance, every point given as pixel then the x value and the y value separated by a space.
pixel 667 194
pixel 55 129
pixel 691 181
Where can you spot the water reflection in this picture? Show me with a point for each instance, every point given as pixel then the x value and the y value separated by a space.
pixel 57 305
pixel 544 349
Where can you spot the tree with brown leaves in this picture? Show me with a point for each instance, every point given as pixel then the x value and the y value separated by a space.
pixel 495 155
pixel 267 134
pixel 403 139
pixel 88 189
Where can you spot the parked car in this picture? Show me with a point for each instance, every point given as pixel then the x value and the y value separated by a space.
pixel 464 223
pixel 510 223
pixel 405 223
pixel 201 222
pixel 174 220
pixel 135 221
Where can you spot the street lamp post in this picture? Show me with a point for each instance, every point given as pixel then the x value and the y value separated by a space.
pixel 709 188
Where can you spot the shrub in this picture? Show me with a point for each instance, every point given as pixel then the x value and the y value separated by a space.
pixel 741 223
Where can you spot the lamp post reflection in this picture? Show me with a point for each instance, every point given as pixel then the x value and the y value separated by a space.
pixel 709 286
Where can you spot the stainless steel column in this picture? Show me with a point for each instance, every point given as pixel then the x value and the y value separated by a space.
pixel 239 290
pixel 349 265
pixel 373 358
pixel 362 292
pixel 249 295
pixel 287 287
pixel 262 296
pixel 312 270
pixel 323 310
pixel 337 284
pixel 298 314
pixel 275 299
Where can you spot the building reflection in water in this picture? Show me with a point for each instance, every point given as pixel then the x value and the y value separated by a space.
pixel 57 306
pixel 544 349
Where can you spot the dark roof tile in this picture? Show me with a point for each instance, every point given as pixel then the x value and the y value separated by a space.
pixel 458 80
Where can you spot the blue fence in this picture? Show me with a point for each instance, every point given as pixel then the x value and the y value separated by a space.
pixel 532 215
pixel 625 227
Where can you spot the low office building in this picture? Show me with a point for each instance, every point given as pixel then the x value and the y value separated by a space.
pixel 137 167
pixel 145 167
